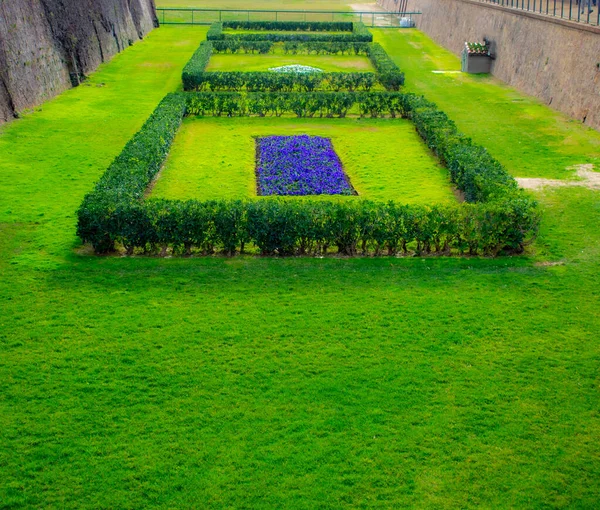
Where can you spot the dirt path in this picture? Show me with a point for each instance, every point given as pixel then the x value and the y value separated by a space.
pixel 380 20
pixel 589 179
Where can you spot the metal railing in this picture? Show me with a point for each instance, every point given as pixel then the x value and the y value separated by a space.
pixel 192 16
pixel 581 11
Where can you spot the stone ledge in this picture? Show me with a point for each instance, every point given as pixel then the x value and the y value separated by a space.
pixel 534 15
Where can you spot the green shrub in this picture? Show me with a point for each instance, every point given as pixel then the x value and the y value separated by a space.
pixel 500 217
pixel 215 32
pixel 389 73
pixel 193 71
pixel 288 227
pixel 325 48
pixel 474 171
pixel 290 26
pixel 301 104
pixel 351 32
pixel 264 81
pixel 233 46
pixel 108 208
pixel 195 77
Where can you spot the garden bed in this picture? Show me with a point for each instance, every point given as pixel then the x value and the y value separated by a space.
pixel 385 159
pixel 299 165
pixel 499 217
pixel 264 54
pixel 277 31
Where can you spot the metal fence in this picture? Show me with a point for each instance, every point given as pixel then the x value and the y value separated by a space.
pixel 582 11
pixel 189 16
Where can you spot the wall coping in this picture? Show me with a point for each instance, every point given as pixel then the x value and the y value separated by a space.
pixel 534 15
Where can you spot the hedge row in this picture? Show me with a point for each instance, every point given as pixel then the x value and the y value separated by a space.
pixel 261 47
pixel 195 67
pixel 290 26
pixel 293 47
pixel 307 104
pixel 504 219
pixel 326 48
pixel 258 81
pixel 389 73
pixel 195 77
pixel 474 171
pixel 359 33
pixel 309 227
pixel 129 175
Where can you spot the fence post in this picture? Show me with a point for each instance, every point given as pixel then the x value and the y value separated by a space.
pixel 192 17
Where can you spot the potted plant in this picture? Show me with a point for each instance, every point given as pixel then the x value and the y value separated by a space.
pixel 476 57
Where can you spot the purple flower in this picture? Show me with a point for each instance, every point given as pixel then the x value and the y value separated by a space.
pixel 299 165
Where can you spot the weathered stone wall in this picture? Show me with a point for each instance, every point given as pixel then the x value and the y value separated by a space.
pixel 47 46
pixel 554 60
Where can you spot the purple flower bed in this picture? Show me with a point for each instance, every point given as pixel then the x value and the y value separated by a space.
pixel 299 165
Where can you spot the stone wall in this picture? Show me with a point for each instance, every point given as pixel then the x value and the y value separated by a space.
pixel 557 61
pixel 47 46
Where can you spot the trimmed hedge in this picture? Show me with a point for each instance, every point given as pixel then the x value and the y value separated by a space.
pixel 293 47
pixel 307 104
pixel 194 69
pixel 357 32
pixel 195 77
pixel 261 47
pixel 304 227
pixel 129 175
pixel 389 73
pixel 504 219
pixel 259 81
pixel 474 171
pixel 290 26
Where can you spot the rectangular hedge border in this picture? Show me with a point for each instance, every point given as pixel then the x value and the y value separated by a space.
pixel 195 77
pixel 357 31
pixel 497 217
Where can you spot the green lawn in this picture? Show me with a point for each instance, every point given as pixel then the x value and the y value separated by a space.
pixel 255 62
pixel 385 159
pixel 342 7
pixel 530 139
pixel 293 383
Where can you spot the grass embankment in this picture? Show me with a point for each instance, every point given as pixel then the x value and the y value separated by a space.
pixel 296 383
pixel 250 62
pixel 530 139
pixel 385 159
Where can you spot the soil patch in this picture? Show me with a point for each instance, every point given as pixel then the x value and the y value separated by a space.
pixel 588 178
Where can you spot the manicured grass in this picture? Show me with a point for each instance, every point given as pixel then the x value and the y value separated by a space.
pixel 339 6
pixel 530 139
pixel 72 139
pixel 384 158
pixel 255 62
pixel 290 383
pixel 282 32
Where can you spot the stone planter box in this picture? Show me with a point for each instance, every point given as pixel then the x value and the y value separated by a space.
pixel 476 58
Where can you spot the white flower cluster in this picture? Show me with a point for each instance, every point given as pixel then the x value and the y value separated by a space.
pixel 296 69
